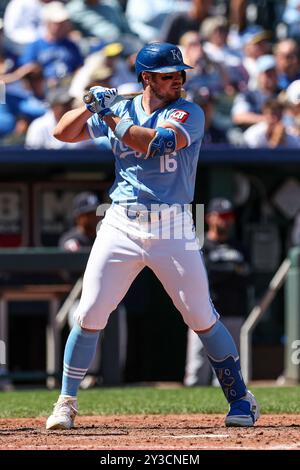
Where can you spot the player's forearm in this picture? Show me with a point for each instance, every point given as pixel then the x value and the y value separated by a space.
pixel 72 125
pixel 136 137
pixel 139 138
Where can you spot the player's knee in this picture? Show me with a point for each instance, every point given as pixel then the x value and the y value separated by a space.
pixel 92 319
pixel 200 321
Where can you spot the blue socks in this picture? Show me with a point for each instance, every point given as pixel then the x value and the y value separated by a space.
pixel 79 352
pixel 224 358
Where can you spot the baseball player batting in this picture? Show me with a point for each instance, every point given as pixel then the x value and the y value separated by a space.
pixel 156 138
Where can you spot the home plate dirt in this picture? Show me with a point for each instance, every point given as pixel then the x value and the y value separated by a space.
pixel 152 432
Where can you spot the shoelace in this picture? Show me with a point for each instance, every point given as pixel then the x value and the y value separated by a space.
pixel 63 407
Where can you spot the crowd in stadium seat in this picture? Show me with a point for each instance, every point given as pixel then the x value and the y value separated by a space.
pixel 243 59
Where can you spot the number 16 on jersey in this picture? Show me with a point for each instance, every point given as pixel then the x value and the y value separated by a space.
pixel 167 163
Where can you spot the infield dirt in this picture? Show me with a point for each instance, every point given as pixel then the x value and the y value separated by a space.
pixel 152 432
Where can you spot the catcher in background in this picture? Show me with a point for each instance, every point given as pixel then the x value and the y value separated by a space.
pixel 156 139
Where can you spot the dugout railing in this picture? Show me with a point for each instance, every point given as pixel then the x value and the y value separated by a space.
pixel 292 319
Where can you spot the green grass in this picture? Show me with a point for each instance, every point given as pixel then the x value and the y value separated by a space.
pixel 146 400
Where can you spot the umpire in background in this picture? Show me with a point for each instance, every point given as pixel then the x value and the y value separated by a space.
pixel 229 276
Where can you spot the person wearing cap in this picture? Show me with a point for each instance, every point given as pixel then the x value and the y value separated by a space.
pixel 205 72
pixel 39 133
pixel 83 233
pixel 107 59
pixel 229 276
pixel 214 31
pixel 255 45
pixel 247 106
pixel 53 52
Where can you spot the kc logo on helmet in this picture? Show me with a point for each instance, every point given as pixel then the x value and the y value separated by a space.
pixel 176 55
pixel 179 115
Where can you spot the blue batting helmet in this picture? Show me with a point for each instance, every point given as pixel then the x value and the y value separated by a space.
pixel 161 57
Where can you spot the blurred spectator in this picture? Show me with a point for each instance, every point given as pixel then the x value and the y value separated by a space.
pixel 212 135
pixel 146 17
pixel 179 23
pixel 229 277
pixel 53 53
pixel 205 73
pixel 23 23
pixel 102 19
pixel 7 58
pixel 108 58
pixel 247 107
pixel 209 74
pixel 291 16
pixel 255 41
pixel 272 132
pixel 40 131
pixel 215 33
pixel 292 102
pixel 287 62
pixel 24 103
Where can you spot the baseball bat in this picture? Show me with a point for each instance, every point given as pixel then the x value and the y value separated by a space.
pixel 88 97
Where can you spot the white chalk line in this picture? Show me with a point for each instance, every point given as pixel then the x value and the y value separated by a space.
pixel 195 436
pixel 286 446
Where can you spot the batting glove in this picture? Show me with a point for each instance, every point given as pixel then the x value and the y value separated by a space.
pixel 103 99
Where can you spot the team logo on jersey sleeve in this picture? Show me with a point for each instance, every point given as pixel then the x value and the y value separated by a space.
pixel 179 115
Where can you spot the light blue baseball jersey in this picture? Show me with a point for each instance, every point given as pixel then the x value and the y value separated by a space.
pixel 165 179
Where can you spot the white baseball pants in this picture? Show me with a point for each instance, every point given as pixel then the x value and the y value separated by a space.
pixel 124 246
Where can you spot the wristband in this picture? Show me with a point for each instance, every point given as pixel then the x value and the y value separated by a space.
pixel 122 127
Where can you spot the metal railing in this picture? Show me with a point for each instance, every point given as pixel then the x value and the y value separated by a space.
pixel 256 315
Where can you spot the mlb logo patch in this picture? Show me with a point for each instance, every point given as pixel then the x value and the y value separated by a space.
pixel 179 115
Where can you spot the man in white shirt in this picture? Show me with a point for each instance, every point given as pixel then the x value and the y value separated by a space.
pixel 271 133
pixel 39 134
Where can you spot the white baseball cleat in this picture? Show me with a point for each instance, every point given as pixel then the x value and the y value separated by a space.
pixel 64 412
pixel 243 412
